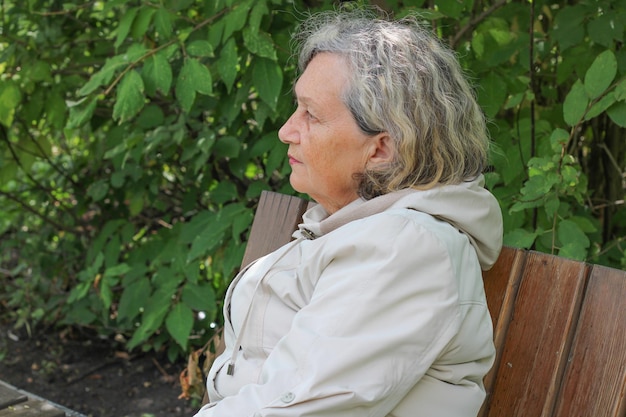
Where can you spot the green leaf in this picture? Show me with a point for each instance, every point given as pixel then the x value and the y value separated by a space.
pixel 200 221
pixel 215 33
pixel 201 77
pixel 492 94
pixel 117 270
pixel 136 203
pixel 233 255
pixel 40 71
pixel 142 22
pixel 267 77
pixel 242 222
pixel 568 28
pixel 104 76
pixel 558 139
pixel 259 43
pixel 227 64
pixel 55 110
pixel 79 292
pixel 7 52
pixel 605 28
pixel 130 98
pixel 33 106
pixel 10 97
pixel 123 28
pixel 199 297
pixel 257 13
pixel 206 241
pixel 552 205
pixel 179 323
pixel 227 147
pixel 575 104
pixel 617 113
pixel 150 117
pixel 478 44
pixel 98 190
pixel 236 19
pixel 200 48
pixel 133 299
pixel 225 191
pixel 600 74
pixel 163 22
pixel 155 311
pixel 81 112
pixel 600 106
pixel 584 224
pixel 106 293
pixel 185 90
pixel 520 238
pixel 157 75
pixel 574 242
pixel 166 278
pixel 452 9
pixel 112 251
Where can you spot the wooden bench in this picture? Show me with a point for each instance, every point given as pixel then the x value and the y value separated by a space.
pixel 17 403
pixel 559 325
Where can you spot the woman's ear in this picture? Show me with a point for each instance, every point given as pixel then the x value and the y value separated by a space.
pixel 383 149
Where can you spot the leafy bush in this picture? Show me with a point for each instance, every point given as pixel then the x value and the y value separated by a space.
pixel 136 138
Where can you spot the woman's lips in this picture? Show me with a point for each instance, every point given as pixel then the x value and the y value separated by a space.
pixel 293 161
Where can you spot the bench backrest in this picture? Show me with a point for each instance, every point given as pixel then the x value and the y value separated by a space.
pixel 559 325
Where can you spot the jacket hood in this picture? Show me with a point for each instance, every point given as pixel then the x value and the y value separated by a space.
pixel 468 206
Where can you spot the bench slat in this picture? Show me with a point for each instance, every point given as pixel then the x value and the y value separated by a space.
pixel 277 216
pixel 32 408
pixel 595 381
pixel 538 337
pixel 9 396
pixel 501 286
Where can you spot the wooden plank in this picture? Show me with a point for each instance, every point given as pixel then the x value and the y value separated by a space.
pixel 276 217
pixel 595 380
pixel 501 286
pixel 501 283
pixel 9 396
pixel 539 336
pixel 32 408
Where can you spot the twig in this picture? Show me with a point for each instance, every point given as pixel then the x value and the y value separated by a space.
pixel 475 21
pixel 49 161
pixel 40 186
pixel 62 12
pixel 108 362
pixel 166 376
pixel 26 207
pixel 155 50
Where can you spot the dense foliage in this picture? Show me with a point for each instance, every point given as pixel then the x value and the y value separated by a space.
pixel 136 137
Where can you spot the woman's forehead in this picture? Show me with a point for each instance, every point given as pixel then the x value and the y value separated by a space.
pixel 326 74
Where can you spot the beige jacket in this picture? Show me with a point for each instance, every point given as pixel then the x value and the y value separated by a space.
pixel 378 310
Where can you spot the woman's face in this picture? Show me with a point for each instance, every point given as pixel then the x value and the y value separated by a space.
pixel 326 146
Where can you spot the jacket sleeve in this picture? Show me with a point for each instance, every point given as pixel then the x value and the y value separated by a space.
pixel 384 307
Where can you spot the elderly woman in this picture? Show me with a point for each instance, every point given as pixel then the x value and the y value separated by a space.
pixel 377 308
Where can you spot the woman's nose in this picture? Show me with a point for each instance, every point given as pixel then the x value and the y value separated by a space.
pixel 288 133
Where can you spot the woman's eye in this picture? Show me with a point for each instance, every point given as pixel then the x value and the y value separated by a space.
pixel 310 116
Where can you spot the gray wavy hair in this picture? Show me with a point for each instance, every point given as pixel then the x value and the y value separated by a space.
pixel 405 83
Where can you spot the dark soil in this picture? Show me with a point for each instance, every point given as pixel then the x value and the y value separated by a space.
pixel 89 376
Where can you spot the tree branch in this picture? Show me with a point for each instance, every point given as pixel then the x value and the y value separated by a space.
pixel 28 208
pixel 37 184
pixel 475 21
pixel 161 47
pixel 43 155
